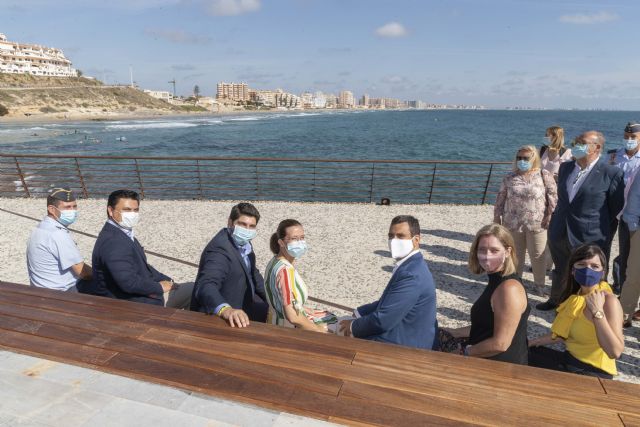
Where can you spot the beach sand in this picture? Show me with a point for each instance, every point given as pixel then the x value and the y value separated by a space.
pixel 348 261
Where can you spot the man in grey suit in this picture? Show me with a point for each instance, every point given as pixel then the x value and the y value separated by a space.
pixel 590 196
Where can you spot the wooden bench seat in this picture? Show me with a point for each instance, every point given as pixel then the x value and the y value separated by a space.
pixel 333 378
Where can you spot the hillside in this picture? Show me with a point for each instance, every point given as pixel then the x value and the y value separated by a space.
pixel 59 97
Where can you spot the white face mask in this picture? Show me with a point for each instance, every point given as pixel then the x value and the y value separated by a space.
pixel 400 248
pixel 129 219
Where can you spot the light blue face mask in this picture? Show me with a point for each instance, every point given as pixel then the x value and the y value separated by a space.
pixel 67 217
pixel 630 144
pixel 242 235
pixel 523 165
pixel 580 150
pixel 297 249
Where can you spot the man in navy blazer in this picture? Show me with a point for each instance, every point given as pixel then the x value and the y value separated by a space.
pixel 590 196
pixel 228 283
pixel 405 314
pixel 120 267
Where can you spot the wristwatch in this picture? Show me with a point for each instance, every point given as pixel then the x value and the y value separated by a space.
pixel 598 314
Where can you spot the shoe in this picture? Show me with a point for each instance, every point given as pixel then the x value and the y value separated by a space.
pixel 636 315
pixel 546 306
pixel 540 290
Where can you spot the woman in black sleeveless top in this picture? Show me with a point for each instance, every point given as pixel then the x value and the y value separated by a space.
pixel 498 328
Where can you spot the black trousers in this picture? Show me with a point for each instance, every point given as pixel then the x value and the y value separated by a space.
pixel 548 358
pixel 620 263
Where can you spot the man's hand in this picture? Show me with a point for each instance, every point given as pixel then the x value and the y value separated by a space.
pixel 235 318
pixel 344 327
pixel 167 285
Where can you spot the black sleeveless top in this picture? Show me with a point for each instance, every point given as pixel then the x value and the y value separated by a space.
pixel 482 323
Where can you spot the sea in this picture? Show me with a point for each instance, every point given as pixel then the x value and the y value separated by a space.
pixel 492 135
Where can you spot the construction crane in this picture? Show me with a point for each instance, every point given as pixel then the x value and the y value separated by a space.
pixel 174 86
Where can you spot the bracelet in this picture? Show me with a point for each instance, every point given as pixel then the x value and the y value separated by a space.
pixel 223 309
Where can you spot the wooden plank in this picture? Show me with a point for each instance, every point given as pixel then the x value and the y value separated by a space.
pixel 502 412
pixel 275 396
pixel 630 420
pixel 54 350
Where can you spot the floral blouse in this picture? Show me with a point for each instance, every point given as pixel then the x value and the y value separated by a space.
pixel 526 201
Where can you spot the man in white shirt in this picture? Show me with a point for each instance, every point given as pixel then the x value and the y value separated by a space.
pixel 53 259
pixel 590 196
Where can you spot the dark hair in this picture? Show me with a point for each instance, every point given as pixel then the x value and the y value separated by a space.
pixel 246 209
pixel 584 251
pixel 414 225
pixel 52 201
pixel 281 233
pixel 115 197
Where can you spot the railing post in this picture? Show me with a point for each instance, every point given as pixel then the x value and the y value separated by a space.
pixel 199 178
pixel 433 181
pixel 139 178
pixel 486 186
pixel 24 183
pixel 373 170
pixel 257 181
pixel 85 194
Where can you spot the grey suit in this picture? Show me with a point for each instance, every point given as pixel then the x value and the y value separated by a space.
pixel 590 217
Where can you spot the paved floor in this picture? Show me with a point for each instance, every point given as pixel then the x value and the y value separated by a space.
pixel 39 392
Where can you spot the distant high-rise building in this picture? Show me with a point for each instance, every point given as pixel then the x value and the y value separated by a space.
pixel 233 91
pixel 345 99
pixel 364 101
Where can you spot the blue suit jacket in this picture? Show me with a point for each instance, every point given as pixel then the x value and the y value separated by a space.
pixel 223 277
pixel 406 312
pixel 591 215
pixel 121 270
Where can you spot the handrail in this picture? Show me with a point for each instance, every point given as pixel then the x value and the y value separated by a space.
pixel 255 178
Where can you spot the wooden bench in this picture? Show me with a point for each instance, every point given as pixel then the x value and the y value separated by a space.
pixel 324 376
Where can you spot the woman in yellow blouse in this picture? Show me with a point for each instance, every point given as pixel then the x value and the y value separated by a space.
pixel 589 321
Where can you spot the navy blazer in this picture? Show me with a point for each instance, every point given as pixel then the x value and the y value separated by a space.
pixel 223 277
pixel 591 215
pixel 121 270
pixel 406 312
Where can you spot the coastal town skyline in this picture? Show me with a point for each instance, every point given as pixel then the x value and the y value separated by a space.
pixel 504 53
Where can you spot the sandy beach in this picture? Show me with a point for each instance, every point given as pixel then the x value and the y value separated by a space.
pixel 348 262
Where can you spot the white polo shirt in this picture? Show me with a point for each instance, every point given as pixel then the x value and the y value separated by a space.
pixel 51 252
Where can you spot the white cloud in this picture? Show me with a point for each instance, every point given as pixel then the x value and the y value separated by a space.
pixel 392 29
pixel 232 7
pixel 587 19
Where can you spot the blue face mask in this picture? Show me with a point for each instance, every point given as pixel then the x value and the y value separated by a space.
pixel 630 144
pixel 523 165
pixel 580 150
pixel 297 249
pixel 587 276
pixel 242 235
pixel 67 217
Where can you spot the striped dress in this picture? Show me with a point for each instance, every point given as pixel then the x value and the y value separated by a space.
pixel 283 286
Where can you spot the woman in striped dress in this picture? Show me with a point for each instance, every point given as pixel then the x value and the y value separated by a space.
pixel 285 289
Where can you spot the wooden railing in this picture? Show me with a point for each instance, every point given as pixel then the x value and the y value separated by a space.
pixel 252 178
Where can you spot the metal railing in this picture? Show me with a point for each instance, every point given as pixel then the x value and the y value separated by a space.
pixel 252 178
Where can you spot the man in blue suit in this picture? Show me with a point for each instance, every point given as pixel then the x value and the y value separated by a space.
pixel 405 314
pixel 590 196
pixel 120 267
pixel 228 283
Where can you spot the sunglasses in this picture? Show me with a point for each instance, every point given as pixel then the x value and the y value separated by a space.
pixel 523 158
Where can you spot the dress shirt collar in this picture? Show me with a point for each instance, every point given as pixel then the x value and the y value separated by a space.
pixel 127 231
pixel 401 261
pixel 49 222
pixel 244 250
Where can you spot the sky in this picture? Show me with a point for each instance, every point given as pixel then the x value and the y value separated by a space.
pixel 497 53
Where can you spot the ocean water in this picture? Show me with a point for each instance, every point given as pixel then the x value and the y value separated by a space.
pixel 425 135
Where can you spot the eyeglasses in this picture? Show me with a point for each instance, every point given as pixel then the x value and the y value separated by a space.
pixel 526 159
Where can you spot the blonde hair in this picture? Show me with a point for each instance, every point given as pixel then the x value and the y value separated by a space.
pixel 504 236
pixel 556 133
pixel 536 163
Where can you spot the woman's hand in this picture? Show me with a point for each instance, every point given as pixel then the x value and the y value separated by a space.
pixel 322 327
pixel 595 301
pixel 457 332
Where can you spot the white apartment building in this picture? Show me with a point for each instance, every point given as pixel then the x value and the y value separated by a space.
pixel 233 91
pixel 160 94
pixel 18 58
